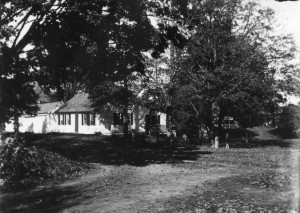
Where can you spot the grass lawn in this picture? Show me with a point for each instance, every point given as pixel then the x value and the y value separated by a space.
pixel 261 176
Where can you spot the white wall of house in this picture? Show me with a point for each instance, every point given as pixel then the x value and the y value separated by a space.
pixel 84 128
pixel 139 122
pixel 42 123
pixel 47 123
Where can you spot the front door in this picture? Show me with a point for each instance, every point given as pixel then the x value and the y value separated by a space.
pixel 76 122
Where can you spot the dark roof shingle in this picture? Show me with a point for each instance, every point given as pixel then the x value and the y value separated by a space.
pixel 48 107
pixel 79 103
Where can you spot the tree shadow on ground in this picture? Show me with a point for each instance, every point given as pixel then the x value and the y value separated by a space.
pixel 285 133
pixel 49 199
pixel 256 143
pixel 114 150
pixel 270 139
pixel 240 133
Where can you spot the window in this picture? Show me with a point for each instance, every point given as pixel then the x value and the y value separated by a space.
pixel 84 119
pixel 152 121
pixel 61 119
pixel 88 119
pixel 64 119
pixel 118 118
pixel 68 119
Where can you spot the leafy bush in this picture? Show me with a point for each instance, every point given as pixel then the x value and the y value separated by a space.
pixel 289 121
pixel 20 165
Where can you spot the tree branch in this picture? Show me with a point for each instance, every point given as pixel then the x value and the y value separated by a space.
pixel 26 38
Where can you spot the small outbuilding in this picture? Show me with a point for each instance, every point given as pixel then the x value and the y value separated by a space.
pixel 44 121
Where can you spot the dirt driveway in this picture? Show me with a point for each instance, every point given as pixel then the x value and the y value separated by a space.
pixel 122 188
pixel 257 178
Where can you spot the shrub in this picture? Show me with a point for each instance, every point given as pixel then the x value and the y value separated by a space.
pixel 23 166
pixel 289 121
pixel 20 165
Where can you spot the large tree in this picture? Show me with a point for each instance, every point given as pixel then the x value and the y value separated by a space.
pixel 122 60
pixel 28 36
pixel 77 44
pixel 228 66
pixel 18 21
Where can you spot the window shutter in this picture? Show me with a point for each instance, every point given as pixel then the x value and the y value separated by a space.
pixel 93 119
pixel 131 118
pixel 82 119
pixel 69 119
pixel 115 118
pixel 88 119
pixel 147 118
pixel 158 120
pixel 58 119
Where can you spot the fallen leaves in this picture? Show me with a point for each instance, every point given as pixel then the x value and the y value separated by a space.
pixel 276 180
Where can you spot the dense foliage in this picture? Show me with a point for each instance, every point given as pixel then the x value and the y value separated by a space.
pixel 289 121
pixel 228 66
pixel 23 166
pixel 77 45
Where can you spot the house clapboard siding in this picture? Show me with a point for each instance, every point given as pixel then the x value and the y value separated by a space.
pixel 44 122
pixel 77 116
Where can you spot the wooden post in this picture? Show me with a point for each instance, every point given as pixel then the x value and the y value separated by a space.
pixel 133 135
pixel 184 136
pixel 246 138
pixel 227 144
pixel 216 142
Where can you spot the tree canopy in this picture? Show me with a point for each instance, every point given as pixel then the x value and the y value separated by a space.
pixel 71 45
pixel 226 62
pixel 227 66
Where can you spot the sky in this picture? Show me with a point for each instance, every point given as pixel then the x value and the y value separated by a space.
pixel 288 15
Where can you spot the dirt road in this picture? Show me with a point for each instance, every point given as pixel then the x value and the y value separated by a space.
pixel 115 189
pixel 257 178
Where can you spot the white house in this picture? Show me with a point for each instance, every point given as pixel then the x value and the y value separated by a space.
pixel 45 121
pixel 77 116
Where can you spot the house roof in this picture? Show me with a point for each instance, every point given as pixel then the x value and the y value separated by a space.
pixel 48 107
pixel 79 103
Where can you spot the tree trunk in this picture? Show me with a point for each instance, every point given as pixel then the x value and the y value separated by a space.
pixel 125 112
pixel 2 123
pixel 125 121
pixel 16 126
pixel 2 131
pixel 220 129
pixel 200 133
